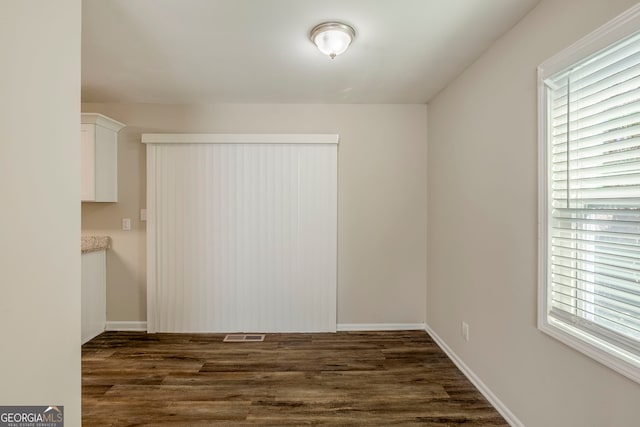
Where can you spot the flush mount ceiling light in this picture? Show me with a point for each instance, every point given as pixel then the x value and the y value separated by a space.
pixel 332 38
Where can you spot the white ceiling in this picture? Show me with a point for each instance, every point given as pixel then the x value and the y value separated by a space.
pixel 258 51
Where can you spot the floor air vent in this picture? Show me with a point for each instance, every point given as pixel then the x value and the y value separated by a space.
pixel 244 338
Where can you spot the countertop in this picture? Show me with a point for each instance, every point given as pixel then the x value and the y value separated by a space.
pixel 94 243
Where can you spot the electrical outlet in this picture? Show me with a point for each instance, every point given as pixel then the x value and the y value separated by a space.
pixel 465 331
pixel 126 224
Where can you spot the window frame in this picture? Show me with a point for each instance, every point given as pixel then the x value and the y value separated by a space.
pixel 615 30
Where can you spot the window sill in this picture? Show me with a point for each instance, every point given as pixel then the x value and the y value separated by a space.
pixel 618 360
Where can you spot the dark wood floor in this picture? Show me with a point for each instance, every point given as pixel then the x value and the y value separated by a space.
pixel 366 378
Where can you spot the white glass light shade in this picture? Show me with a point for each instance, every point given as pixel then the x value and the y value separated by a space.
pixel 332 38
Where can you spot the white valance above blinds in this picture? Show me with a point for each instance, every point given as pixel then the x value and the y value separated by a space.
pixel 593 195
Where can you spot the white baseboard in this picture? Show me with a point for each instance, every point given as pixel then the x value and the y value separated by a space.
pixel 380 326
pixel 486 392
pixel 126 326
pixel 142 326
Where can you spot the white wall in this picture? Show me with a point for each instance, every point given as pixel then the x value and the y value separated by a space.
pixel 482 184
pixel 381 199
pixel 40 213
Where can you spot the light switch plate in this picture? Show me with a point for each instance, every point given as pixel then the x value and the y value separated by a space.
pixel 126 224
pixel 465 331
pixel 143 214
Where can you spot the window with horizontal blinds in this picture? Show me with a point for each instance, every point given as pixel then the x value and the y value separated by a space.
pixel 591 198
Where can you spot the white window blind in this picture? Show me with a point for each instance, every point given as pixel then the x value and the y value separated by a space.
pixel 241 236
pixel 592 236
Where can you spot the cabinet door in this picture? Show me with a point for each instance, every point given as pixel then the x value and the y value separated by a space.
pixel 93 294
pixel 87 157
pixel 106 165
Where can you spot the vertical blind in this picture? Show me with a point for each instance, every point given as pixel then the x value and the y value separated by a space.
pixel 242 237
pixel 593 218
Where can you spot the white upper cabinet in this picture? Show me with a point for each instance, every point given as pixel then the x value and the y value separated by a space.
pixel 99 157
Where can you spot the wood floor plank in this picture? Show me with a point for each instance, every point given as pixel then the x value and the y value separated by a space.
pixel 348 378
